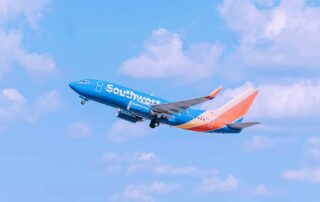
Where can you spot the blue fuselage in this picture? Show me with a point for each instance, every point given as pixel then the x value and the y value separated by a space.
pixel 121 97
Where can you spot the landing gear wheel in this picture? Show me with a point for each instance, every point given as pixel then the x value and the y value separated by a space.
pixel 83 102
pixel 154 124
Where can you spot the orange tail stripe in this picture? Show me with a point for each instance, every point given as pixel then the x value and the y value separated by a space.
pixel 229 116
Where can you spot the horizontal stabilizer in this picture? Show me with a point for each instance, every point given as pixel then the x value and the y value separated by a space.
pixel 242 125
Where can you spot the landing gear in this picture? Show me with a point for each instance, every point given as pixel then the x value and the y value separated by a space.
pixel 154 123
pixel 84 100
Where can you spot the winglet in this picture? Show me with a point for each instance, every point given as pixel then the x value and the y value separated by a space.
pixel 214 93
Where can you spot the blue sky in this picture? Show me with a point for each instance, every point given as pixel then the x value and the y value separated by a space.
pixel 54 149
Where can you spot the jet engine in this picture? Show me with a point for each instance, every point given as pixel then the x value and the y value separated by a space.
pixel 139 108
pixel 128 117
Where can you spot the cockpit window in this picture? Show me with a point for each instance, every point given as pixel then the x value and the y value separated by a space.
pixel 84 82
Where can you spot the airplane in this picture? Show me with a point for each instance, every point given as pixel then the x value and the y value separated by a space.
pixel 135 106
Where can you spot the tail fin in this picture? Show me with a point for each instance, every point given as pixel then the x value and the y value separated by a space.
pixel 237 108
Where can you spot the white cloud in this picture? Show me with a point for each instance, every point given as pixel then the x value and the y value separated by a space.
pixel 292 100
pixel 116 162
pixel 277 100
pixel 14 96
pixel 262 191
pixel 110 156
pixel 313 146
pixel 262 143
pixel 314 140
pixel 164 56
pixel 149 164
pixel 79 129
pixel 306 174
pixel 130 157
pixel 14 106
pixel 144 163
pixel 29 10
pixel 123 131
pixel 284 36
pixel 48 102
pixel 160 169
pixel 215 184
pixel 147 156
pixel 145 192
pixel 272 35
pixel 171 170
pixel 12 51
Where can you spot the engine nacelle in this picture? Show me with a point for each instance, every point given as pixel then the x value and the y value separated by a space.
pixel 128 117
pixel 139 108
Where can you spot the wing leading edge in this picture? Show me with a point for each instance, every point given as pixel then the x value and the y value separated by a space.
pixel 175 107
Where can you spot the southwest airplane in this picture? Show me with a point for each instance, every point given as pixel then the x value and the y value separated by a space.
pixel 135 106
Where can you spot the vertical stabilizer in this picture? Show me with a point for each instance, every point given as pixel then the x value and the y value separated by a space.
pixel 237 108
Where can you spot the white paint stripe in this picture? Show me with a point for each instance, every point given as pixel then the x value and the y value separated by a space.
pixel 235 102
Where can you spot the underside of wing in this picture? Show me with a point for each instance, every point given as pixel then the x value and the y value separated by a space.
pixel 176 107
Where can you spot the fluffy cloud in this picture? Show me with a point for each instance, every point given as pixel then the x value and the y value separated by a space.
pixel 123 131
pixel 262 191
pixel 215 184
pixel 163 56
pixel 160 169
pixel 262 143
pixel 116 162
pixel 147 156
pixel 130 157
pixel 313 147
pixel 12 51
pixel 145 192
pixel 305 174
pixel 28 10
pixel 145 162
pixel 14 106
pixel 175 171
pixel 273 35
pixel 284 36
pixel 293 100
pixel 277 100
pixel 48 102
pixel 79 129
pixel 14 96
pixel 309 173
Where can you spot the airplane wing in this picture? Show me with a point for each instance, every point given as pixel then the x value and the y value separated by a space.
pixel 175 107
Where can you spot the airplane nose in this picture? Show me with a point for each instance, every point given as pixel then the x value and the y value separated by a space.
pixel 73 85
